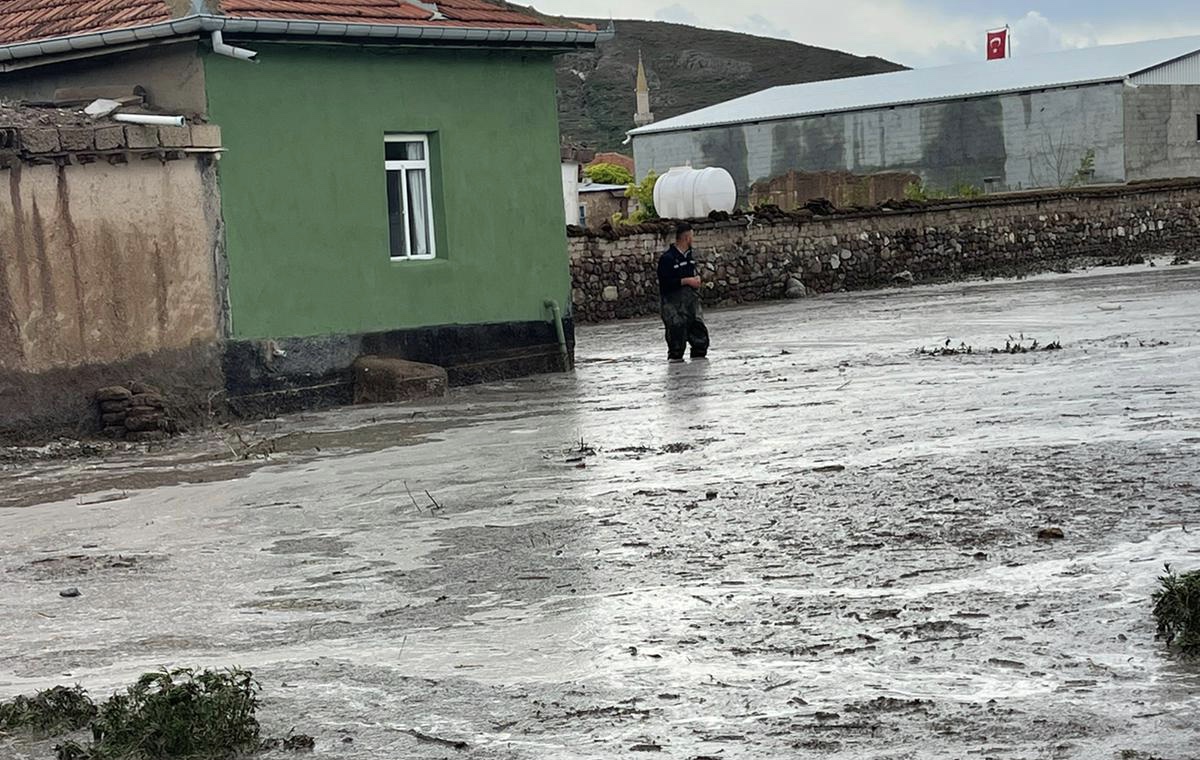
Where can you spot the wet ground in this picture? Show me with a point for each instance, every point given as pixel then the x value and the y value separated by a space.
pixel 821 543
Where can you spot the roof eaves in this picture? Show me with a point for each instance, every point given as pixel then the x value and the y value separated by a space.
pixel 549 37
pixel 656 129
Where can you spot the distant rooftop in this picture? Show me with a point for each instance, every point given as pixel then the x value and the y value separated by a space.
pixel 1110 63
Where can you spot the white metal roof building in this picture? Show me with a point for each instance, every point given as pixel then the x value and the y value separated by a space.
pixel 1017 123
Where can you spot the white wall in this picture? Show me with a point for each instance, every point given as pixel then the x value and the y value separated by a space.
pixel 570 181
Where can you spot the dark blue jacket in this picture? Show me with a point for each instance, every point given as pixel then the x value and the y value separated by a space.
pixel 674 267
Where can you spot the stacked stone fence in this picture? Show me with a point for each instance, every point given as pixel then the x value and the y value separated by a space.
pixel 772 254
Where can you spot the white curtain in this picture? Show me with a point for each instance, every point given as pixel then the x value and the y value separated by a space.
pixel 418 208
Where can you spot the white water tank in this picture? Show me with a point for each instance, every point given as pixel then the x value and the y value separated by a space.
pixel 685 193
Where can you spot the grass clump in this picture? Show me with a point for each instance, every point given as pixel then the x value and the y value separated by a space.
pixel 176 714
pixel 1177 610
pixel 52 712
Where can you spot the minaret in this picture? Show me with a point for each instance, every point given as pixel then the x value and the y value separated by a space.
pixel 643 115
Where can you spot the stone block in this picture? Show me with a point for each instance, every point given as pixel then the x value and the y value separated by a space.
pixel 77 138
pixel 610 293
pixel 143 424
pixel 175 137
pixel 40 140
pixel 139 136
pixel 148 399
pixel 114 393
pixel 796 288
pixel 110 138
pixel 206 136
pixel 385 380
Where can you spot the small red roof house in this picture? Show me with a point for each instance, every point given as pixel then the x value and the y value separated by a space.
pixel 617 159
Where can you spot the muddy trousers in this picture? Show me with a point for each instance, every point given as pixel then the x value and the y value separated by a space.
pixel 684 322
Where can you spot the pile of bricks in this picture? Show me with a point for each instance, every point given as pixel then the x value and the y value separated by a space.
pixel 134 413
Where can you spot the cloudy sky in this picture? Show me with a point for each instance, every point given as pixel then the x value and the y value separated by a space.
pixel 915 32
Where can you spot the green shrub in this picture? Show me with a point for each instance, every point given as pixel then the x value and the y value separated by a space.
pixel 175 714
pixel 1177 610
pixel 53 712
pixel 609 174
pixel 643 193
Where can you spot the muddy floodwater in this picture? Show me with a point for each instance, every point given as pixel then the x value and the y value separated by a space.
pixel 820 543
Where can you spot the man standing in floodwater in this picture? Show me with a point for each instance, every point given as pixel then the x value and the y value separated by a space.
pixel 680 286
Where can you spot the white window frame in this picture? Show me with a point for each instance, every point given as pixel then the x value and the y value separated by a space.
pixel 403 167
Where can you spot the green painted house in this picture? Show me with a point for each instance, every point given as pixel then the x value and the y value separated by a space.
pixel 368 155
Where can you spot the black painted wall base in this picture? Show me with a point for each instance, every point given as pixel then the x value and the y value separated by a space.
pixel 271 377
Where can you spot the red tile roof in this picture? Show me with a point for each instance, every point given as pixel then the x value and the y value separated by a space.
pixel 619 159
pixel 25 20
pixel 22 20
pixel 471 13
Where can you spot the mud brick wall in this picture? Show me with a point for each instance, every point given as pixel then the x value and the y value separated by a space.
pixel 109 270
pixel 747 258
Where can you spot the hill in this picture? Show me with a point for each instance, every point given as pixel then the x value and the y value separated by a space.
pixel 688 68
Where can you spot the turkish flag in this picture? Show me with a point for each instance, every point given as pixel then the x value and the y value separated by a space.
pixel 997 45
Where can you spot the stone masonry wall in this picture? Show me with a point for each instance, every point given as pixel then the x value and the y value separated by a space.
pixel 747 259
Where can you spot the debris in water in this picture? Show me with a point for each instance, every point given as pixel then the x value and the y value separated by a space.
pixel 1014 345
pixel 293 743
pixel 70 593
pixel 1051 534
pixel 947 350
pixel 429 739
pixel 1001 663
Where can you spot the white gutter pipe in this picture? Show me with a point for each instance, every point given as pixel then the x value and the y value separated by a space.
pixel 207 23
pixel 220 48
pixel 150 120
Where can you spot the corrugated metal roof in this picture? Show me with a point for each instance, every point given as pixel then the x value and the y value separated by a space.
pixel 1183 71
pixel 1107 63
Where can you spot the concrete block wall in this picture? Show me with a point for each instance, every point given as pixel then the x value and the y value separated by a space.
pixel 1161 128
pixel 745 260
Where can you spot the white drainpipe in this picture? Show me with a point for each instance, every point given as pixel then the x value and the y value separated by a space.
pixel 220 48
pixel 149 119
